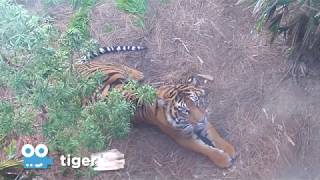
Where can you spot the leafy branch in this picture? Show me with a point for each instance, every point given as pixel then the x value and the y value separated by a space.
pixel 298 21
pixel 36 68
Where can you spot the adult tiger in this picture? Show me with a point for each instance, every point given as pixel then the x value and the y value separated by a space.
pixel 114 75
pixel 179 113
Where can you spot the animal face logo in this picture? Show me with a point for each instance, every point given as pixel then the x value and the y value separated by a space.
pixel 36 158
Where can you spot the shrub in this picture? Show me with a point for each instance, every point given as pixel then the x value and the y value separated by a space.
pixel 82 3
pixel 298 21
pixel 135 7
pixel 74 3
pixel 36 67
pixel 144 94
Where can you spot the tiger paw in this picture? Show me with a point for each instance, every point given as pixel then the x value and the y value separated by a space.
pixel 221 158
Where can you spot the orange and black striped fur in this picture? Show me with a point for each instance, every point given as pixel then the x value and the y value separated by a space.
pixel 179 113
pixel 114 75
pixel 178 110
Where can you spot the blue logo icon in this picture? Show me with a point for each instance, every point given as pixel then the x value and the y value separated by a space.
pixel 36 158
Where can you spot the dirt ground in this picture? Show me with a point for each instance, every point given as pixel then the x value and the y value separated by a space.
pixel 273 124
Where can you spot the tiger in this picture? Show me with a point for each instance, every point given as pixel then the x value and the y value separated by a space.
pixel 179 112
pixel 115 76
pixel 110 49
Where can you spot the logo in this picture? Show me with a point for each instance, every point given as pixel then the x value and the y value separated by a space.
pixel 36 158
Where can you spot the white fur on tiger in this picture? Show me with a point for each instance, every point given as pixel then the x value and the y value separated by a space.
pixel 110 49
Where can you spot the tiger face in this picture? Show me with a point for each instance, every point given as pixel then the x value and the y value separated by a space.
pixel 181 114
pixel 184 110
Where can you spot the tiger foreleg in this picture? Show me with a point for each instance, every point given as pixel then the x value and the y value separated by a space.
pixel 219 157
pixel 220 143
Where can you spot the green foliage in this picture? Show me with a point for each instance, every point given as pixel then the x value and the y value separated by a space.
pixel 77 37
pixel 21 32
pixel 297 20
pixel 145 94
pixel 9 157
pixel 106 119
pixel 42 77
pixel 11 150
pixel 64 139
pixel 76 4
pixel 92 137
pixel 139 22
pixel 51 2
pixel 6 116
pixel 19 120
pixel 82 3
pixel 35 66
pixel 80 21
pixel 274 11
pixel 119 113
pixel 135 7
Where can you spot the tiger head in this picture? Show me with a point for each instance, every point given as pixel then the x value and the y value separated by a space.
pixel 183 109
pixel 186 114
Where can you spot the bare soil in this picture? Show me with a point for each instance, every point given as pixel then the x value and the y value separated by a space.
pixel 273 124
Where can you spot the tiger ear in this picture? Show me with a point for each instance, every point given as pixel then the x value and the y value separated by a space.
pixel 193 81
